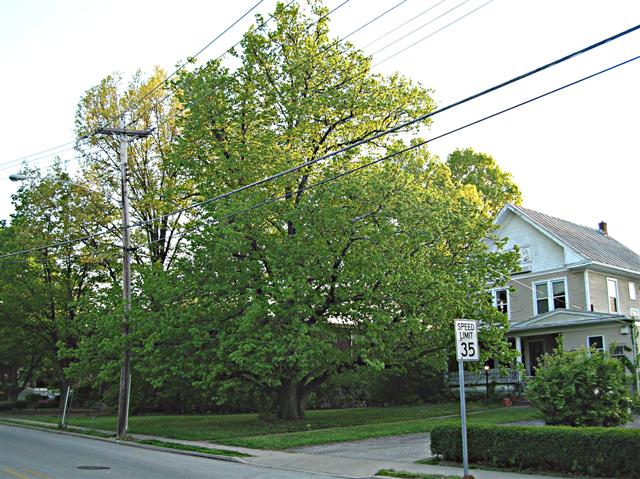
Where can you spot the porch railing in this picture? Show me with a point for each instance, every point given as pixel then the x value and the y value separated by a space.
pixel 493 376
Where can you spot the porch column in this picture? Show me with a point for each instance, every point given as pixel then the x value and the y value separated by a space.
pixel 519 348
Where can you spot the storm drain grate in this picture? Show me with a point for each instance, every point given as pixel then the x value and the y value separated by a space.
pixel 93 468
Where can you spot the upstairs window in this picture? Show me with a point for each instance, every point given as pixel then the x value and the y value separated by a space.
pixel 501 300
pixel 542 298
pixel 612 293
pixel 559 295
pixel 632 291
pixel 550 295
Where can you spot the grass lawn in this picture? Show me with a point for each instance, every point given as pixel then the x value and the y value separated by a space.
pixel 411 475
pixel 319 427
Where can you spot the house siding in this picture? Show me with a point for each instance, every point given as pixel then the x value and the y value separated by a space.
pixel 573 339
pixel 546 254
pixel 521 300
pixel 599 296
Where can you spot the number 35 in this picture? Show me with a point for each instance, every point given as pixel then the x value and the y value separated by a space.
pixel 467 349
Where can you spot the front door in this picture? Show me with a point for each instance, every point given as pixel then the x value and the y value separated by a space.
pixel 536 350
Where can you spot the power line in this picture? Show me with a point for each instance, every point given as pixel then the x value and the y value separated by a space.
pixel 85 137
pixel 373 20
pixel 420 27
pixel 193 57
pixel 353 170
pixel 364 70
pixel 432 33
pixel 198 100
pixel 424 142
pixel 406 22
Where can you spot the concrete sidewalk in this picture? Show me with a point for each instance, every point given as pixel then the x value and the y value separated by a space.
pixel 358 459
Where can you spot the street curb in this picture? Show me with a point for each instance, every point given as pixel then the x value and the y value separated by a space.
pixel 238 460
pixel 130 443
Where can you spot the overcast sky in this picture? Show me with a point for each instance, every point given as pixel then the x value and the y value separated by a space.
pixel 574 154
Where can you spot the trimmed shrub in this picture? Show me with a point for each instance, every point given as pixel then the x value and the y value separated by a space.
pixel 594 451
pixel 580 388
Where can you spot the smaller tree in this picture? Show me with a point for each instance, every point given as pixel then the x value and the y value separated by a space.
pixel 581 388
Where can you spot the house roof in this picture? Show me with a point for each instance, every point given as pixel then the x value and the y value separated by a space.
pixel 590 243
pixel 564 318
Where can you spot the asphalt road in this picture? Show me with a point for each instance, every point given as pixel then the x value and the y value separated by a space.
pixel 30 454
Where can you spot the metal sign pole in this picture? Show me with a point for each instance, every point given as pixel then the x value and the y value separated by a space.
pixel 467 349
pixel 463 415
pixel 64 410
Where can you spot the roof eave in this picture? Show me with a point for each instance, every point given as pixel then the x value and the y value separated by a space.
pixel 536 225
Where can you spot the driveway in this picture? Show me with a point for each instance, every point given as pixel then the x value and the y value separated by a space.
pixel 408 448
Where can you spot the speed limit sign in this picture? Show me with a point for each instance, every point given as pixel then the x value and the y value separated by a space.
pixel 466 350
pixel 467 340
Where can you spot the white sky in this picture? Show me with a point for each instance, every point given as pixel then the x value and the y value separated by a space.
pixel 573 154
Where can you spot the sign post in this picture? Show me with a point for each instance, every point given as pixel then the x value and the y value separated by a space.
pixel 466 350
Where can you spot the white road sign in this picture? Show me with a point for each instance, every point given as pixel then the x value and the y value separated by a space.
pixel 467 340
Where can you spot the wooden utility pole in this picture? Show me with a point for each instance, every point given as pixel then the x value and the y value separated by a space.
pixel 125 136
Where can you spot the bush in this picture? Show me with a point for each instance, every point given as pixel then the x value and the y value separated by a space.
pixel 593 451
pixel 580 388
pixel 7 405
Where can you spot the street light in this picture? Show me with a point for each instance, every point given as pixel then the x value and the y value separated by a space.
pixel 21 177
pixel 486 380
pixel 18 177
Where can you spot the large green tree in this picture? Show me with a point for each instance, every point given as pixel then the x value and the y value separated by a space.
pixel 495 185
pixel 156 186
pixel 367 271
pixel 42 289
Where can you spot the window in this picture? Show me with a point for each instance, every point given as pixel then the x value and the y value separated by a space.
pixel 525 257
pixel 550 295
pixel 501 300
pixel 559 295
pixel 632 291
pixel 542 298
pixel 612 292
pixel 595 342
pixel 617 351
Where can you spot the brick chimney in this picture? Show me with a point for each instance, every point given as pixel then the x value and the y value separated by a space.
pixel 602 227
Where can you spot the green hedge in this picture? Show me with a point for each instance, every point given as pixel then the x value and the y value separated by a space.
pixel 594 451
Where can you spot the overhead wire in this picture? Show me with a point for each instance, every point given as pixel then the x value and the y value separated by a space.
pixel 353 170
pixel 195 102
pixel 444 14
pixel 310 98
pixel 28 159
pixel 193 57
pixel 403 24
pixel 453 22
pixel 424 142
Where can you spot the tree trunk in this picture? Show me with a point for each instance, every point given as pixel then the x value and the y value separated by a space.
pixel 290 401
pixel 13 389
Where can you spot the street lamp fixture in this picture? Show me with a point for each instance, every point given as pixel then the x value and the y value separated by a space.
pixel 21 177
pixel 18 177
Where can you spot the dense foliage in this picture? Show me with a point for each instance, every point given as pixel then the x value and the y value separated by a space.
pixel 356 262
pixel 581 388
pixel 596 451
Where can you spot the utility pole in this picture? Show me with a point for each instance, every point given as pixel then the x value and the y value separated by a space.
pixel 125 136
